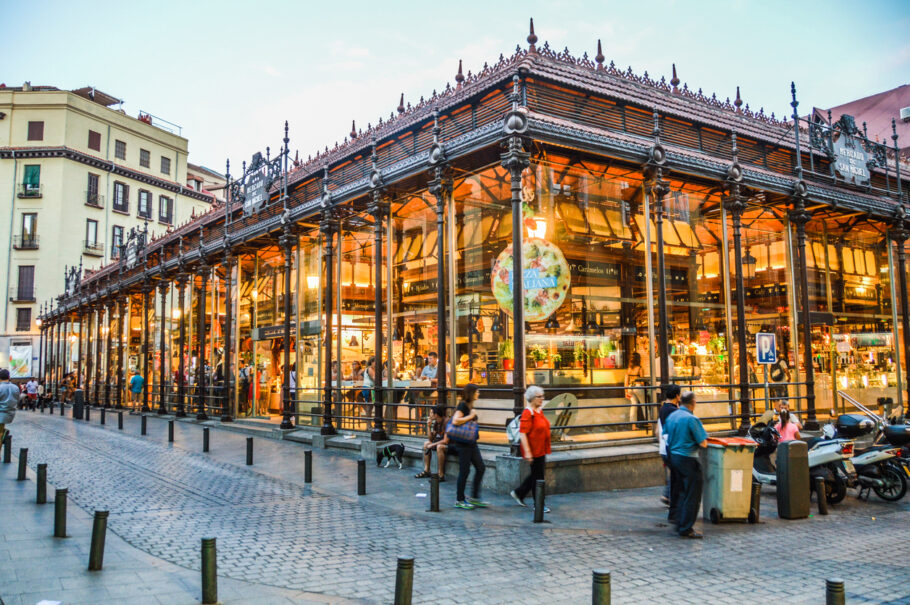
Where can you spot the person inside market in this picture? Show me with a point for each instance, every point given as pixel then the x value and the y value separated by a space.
pixel 670 405
pixel 685 436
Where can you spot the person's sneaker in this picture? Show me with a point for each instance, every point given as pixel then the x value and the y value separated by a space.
pixel 518 500
pixel 692 535
pixel 474 502
pixel 665 501
pixel 464 505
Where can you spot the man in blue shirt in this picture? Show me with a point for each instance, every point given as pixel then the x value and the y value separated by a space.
pixel 429 371
pixel 685 436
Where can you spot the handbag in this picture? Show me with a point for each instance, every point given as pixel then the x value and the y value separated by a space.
pixel 462 433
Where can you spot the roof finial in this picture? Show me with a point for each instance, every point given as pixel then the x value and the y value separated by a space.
pixel 674 81
pixel 353 130
pixel 401 104
pixel 532 39
pixel 599 57
pixel 459 77
pixel 738 103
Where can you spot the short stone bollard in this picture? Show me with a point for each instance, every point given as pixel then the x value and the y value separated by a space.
pixel 7 448
pixel 434 494
pixel 143 425
pixel 307 466
pixel 834 592
pixel 755 503
pixel 88 412
pixel 249 451
pixel 205 441
pixel 99 529
pixel 60 513
pixel 821 495
pixel 23 462
pixel 103 415
pixel 404 581
pixel 120 420
pixel 600 588
pixel 170 431
pixel 539 495
pixel 361 477
pixel 209 572
pixel 41 489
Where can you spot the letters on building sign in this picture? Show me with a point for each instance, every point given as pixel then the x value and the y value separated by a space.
pixel 851 160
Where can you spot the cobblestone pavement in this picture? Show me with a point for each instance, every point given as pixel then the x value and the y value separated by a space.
pixel 274 530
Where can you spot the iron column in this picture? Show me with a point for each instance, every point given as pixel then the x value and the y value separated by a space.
pixel 287 241
pixel 162 346
pixel 182 278
pixel 328 226
pixel 203 273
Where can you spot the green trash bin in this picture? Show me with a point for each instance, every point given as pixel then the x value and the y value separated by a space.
pixel 727 464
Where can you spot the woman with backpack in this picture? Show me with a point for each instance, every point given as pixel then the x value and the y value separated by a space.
pixel 462 433
pixel 535 443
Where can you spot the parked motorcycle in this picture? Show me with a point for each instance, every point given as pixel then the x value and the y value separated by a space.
pixel 877 466
pixel 828 458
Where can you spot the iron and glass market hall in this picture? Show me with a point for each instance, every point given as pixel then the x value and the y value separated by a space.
pixel 665 237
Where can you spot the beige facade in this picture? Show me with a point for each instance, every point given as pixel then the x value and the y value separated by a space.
pixel 76 175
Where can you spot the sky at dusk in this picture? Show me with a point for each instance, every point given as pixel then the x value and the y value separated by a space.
pixel 229 73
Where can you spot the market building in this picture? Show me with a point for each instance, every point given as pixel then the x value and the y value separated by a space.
pixel 666 236
pixel 78 175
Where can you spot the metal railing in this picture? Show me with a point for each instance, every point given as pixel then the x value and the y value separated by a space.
pixel 94 199
pixel 30 190
pixel 25 242
pixel 18 294
pixel 92 248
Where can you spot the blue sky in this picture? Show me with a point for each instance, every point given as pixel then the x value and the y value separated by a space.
pixel 230 72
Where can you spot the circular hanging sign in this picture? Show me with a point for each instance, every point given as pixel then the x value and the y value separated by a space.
pixel 545 278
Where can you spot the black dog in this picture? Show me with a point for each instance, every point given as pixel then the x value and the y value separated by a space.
pixel 391 452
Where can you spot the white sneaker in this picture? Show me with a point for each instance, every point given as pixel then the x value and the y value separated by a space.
pixel 517 499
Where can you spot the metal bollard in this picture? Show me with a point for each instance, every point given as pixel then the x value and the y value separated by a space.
pixel 404 581
pixel 62 409
pixel 99 529
pixel 600 589
pixel 834 592
pixel 41 491
pixel 755 513
pixel 103 416
pixel 41 407
pixel 87 412
pixel 539 495
pixel 143 425
pixel 205 443
pixel 23 462
pixel 209 571
pixel 821 495
pixel 307 466
pixel 361 477
pixel 434 494
pixel 60 513
pixel 170 431
pixel 249 451
pixel 7 448
pixel 120 420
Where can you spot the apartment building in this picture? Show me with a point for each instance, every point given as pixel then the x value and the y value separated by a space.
pixel 76 175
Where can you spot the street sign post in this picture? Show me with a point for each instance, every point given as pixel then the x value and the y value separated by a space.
pixel 766 354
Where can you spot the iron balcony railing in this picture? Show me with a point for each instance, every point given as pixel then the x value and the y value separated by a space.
pixel 25 242
pixel 18 294
pixel 94 199
pixel 30 190
pixel 92 248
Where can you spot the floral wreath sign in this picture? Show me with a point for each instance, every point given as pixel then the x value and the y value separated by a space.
pixel 545 277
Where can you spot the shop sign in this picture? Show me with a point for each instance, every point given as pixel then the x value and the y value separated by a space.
pixel 545 275
pixel 255 192
pixel 851 160
pixel 20 361
pixel 269 332
pixel 592 269
pixel 766 347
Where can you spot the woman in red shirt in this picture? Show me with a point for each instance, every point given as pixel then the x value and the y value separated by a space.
pixel 535 443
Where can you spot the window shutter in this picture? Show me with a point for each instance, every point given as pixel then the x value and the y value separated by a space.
pixel 26 280
pixel 94 140
pixel 36 131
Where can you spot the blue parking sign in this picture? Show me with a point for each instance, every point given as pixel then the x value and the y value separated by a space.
pixel 766 347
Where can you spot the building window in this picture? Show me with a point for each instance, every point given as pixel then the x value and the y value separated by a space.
pixel 116 241
pixel 165 209
pixel 120 150
pixel 91 233
pixel 121 197
pixel 145 158
pixel 23 320
pixel 36 131
pixel 94 140
pixel 145 204
pixel 165 165
pixel 26 283
pixel 91 191
pixel 31 181
pixel 28 237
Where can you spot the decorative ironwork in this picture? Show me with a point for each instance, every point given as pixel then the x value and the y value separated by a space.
pixel 253 188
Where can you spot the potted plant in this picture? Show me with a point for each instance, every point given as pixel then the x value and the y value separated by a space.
pixel 507 354
pixel 579 354
pixel 556 358
pixel 539 355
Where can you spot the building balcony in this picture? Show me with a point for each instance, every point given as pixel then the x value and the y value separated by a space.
pixel 25 242
pixel 92 248
pixel 17 294
pixel 28 190
pixel 94 199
